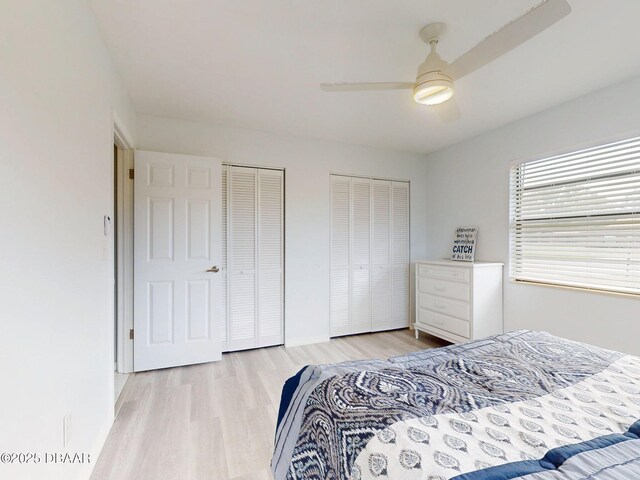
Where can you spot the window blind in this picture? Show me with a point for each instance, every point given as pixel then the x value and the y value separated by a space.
pixel 575 219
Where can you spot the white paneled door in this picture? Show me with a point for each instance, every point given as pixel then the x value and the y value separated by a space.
pixel 177 250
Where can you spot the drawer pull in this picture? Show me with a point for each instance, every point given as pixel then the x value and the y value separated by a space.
pixel 438 288
pixel 440 306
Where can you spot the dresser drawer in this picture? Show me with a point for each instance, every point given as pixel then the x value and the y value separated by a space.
pixel 444 273
pixel 444 322
pixel 454 308
pixel 459 291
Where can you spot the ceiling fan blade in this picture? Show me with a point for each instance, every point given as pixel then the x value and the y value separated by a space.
pixel 363 87
pixel 510 36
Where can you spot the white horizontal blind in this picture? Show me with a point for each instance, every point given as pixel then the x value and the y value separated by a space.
pixel 575 219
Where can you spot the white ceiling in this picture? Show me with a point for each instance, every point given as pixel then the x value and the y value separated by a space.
pixel 258 63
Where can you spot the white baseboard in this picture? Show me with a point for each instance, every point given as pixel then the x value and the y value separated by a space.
pixel 296 342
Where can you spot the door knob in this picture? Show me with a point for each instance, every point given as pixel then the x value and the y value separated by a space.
pixel 214 269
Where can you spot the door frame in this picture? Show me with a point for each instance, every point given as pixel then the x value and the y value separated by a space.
pixel 124 272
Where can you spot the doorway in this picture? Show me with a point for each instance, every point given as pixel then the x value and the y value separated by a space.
pixel 120 378
pixel 120 244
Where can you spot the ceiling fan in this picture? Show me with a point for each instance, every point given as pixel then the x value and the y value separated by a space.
pixel 435 79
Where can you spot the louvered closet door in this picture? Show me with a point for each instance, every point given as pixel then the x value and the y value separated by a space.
pixel 340 255
pixel 369 255
pixel 360 256
pixel 400 254
pixel 253 213
pixel 381 271
pixel 224 311
pixel 242 258
pixel 270 253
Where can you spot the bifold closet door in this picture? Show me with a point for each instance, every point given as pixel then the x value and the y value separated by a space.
pixel 270 257
pixel 360 256
pixel 253 210
pixel 381 271
pixel 369 255
pixel 224 270
pixel 400 254
pixel 241 257
pixel 340 280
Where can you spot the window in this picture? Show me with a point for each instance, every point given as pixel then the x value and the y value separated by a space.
pixel 575 219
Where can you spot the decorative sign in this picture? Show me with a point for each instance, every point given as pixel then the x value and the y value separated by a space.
pixel 464 246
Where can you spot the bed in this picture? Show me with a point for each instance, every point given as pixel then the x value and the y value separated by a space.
pixel 521 405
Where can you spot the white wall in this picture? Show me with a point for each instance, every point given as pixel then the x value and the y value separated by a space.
pixel 308 164
pixel 58 89
pixel 468 185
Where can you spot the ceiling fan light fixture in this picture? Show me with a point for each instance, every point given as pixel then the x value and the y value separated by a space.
pixel 433 91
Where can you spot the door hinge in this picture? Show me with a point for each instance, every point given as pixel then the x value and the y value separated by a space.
pixel 131 173
pixel 131 334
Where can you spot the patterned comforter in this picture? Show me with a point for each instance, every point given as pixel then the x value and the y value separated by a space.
pixel 523 405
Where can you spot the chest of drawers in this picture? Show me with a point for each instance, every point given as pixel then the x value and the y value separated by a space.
pixel 458 301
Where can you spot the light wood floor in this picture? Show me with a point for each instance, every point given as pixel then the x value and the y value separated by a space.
pixel 216 421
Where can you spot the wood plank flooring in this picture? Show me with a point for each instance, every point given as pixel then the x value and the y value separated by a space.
pixel 216 421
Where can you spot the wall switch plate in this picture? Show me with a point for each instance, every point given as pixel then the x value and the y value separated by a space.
pixel 66 430
pixel 107 225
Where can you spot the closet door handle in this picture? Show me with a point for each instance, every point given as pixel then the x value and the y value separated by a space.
pixel 214 269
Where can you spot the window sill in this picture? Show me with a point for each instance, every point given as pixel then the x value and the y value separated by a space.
pixel 579 289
